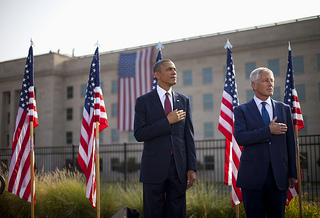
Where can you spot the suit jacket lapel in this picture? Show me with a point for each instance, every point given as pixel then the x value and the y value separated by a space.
pixel 157 102
pixel 276 109
pixel 252 107
pixel 175 100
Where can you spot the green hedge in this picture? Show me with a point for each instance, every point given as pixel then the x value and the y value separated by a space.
pixel 62 194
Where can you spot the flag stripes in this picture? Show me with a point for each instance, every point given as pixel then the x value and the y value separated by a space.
pixel 135 79
pixel 291 98
pixel 93 111
pixel 19 180
pixel 226 121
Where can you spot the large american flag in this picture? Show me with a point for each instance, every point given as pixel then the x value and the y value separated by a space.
pixel 93 111
pixel 135 79
pixel 291 98
pixel 226 121
pixel 19 171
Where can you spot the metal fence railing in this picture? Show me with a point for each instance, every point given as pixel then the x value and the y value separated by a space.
pixel 121 162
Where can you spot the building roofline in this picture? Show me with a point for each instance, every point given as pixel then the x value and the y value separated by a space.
pixel 209 35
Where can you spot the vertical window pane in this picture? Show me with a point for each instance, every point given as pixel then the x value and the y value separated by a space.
pixel 298 65
pixel 301 90
pixel 69 137
pixel 209 162
pixel 69 113
pixel 115 135
pixel 207 75
pixel 81 112
pixel 207 101
pixel 318 60
pixel 70 92
pixel 249 68
pixel 305 128
pixel 114 87
pixel 250 94
pixel 187 78
pixel 131 137
pixel 319 90
pixel 274 66
pixel 83 90
pixel 208 130
pixel 277 95
pixel 114 110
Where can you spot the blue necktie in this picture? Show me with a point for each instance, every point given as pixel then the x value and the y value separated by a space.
pixel 265 114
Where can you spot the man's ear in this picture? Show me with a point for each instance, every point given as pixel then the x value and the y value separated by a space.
pixel 156 75
pixel 253 85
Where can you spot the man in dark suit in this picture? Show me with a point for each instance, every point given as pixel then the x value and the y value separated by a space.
pixel 168 162
pixel 268 166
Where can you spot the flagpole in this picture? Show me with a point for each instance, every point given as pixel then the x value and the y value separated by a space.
pixel 97 170
pixel 298 167
pixel 32 169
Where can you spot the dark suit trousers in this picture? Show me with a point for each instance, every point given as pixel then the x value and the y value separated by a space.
pixel 269 200
pixel 167 199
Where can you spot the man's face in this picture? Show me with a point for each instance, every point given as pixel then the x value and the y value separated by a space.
pixel 167 76
pixel 263 88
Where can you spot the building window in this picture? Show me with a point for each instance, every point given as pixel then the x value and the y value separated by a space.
pixel 114 110
pixel 305 128
pixel 209 162
pixel 83 90
pixel 131 137
pixel 81 112
pixel 69 113
pixel 208 130
pixel 276 94
pixel 114 87
pixel 319 90
pixel 7 140
pixel 301 90
pixel 208 101
pixel 8 118
pixel 274 66
pixel 70 92
pixel 187 78
pixel 318 59
pixel 250 94
pixel 101 87
pixel 116 165
pixel 207 75
pixel 69 137
pixel 115 135
pixel 249 68
pixel 298 65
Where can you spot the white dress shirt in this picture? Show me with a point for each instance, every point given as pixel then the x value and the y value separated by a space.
pixel 268 106
pixel 162 95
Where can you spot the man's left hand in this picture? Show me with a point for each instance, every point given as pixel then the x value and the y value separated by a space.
pixel 292 182
pixel 191 177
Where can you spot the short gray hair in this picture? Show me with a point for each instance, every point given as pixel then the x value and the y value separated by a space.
pixel 158 65
pixel 255 74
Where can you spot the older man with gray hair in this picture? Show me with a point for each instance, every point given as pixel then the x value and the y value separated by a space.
pixel 264 129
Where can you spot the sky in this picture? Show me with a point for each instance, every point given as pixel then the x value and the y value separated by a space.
pixel 76 25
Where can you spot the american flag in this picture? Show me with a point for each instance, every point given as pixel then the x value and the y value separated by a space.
pixel 291 98
pixel 226 120
pixel 93 111
pixel 19 171
pixel 135 79
pixel 159 58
